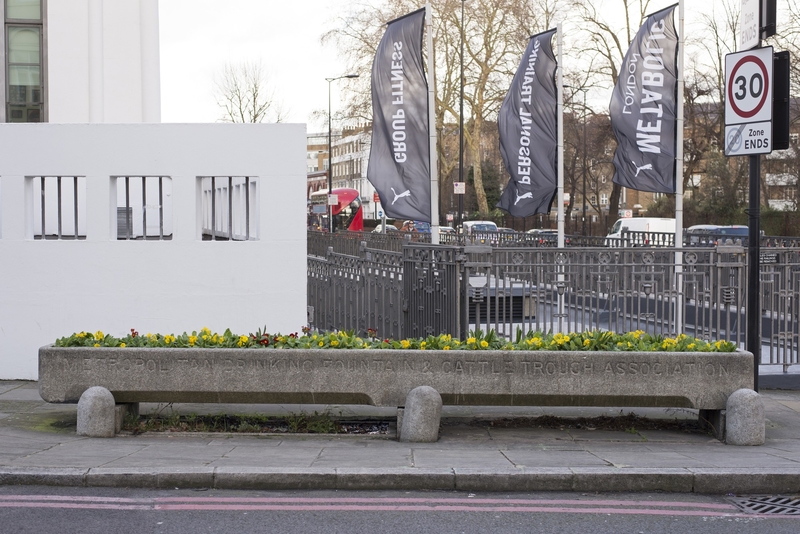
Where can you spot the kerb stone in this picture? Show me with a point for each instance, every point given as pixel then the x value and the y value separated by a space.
pixel 422 416
pixel 745 418
pixel 97 414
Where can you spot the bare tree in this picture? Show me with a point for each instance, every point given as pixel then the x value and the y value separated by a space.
pixel 495 32
pixel 244 94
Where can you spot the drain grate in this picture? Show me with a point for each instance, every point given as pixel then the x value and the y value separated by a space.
pixel 769 504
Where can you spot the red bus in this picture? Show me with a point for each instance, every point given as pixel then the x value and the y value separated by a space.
pixel 348 214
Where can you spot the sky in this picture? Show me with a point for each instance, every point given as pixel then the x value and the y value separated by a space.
pixel 198 37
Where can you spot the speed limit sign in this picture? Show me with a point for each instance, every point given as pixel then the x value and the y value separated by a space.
pixel 748 102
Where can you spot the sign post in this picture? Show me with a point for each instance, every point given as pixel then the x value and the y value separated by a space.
pixel 748 131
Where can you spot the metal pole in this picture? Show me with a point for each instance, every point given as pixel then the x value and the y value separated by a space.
pixel 679 298
pixel 432 130
pixel 331 225
pixel 330 161
pixel 583 220
pixel 461 124
pixel 753 268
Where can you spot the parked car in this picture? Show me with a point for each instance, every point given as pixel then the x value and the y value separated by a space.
pixel 546 237
pixel 389 229
pixel 447 230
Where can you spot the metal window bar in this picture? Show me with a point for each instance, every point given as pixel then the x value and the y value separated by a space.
pixel 59 207
pixel 161 207
pixel 230 208
pixel 129 232
pixel 231 197
pixel 42 187
pixel 58 188
pixel 75 203
pixel 213 208
pixel 128 221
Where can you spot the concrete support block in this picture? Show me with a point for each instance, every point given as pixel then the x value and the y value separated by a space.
pixel 122 411
pixel 714 421
pixel 421 416
pixel 745 418
pixel 97 413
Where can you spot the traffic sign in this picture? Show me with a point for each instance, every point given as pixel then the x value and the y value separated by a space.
pixel 749 24
pixel 748 102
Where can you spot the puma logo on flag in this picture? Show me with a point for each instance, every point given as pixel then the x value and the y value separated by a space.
pixel 647 167
pixel 406 193
pixel 520 197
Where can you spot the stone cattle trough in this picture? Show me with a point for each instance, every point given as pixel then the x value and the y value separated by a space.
pixel 699 380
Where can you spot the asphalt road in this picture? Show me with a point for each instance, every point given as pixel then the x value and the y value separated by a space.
pixel 44 510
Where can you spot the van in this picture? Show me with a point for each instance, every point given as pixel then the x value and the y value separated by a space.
pixel 710 235
pixel 641 231
pixel 479 231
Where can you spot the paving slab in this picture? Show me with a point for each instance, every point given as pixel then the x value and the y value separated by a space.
pixel 38 445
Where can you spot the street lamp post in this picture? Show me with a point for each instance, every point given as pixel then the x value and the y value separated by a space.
pixel 331 225
pixel 461 124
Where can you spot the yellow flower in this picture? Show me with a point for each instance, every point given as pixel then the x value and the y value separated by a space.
pixel 405 343
pixel 192 340
pixel 638 334
pixel 97 344
pixel 205 331
pixel 446 347
pixel 122 345
pixel 214 338
pixel 484 343
pixel 692 345
pixel 586 342
pixel 205 337
pixel 82 334
pixel 169 339
pixel 335 343
pixel 99 335
pixel 221 340
pixel 321 344
pixel 423 345
pixel 471 340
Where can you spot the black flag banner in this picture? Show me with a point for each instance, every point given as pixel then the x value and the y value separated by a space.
pixel 528 131
pixel 644 108
pixel 399 159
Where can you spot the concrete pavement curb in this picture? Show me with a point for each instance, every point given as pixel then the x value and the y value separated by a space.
pixel 588 479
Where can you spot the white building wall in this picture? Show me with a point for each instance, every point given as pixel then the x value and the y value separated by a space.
pixel 103 61
pixel 50 289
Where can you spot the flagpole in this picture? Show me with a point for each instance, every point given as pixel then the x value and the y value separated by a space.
pixel 562 313
pixel 679 326
pixel 432 130
pixel 560 121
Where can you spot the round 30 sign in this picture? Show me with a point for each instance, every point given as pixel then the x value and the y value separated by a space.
pixel 748 77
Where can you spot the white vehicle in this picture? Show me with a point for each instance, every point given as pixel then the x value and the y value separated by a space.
pixel 641 231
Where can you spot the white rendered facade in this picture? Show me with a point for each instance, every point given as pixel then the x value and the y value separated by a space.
pixel 54 287
pixel 99 60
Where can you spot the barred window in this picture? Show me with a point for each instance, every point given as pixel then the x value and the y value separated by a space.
pixel 144 207
pixel 59 207
pixel 229 208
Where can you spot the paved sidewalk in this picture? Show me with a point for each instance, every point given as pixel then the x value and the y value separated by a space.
pixel 38 445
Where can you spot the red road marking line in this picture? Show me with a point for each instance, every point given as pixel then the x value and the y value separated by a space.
pixel 77 505
pixel 443 500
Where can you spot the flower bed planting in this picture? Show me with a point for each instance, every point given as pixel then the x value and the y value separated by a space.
pixel 637 341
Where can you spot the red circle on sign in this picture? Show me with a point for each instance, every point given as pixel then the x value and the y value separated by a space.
pixel 760 64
